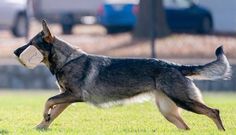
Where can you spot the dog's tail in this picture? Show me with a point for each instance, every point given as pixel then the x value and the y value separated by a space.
pixel 218 69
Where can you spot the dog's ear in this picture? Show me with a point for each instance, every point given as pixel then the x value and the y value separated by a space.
pixel 48 37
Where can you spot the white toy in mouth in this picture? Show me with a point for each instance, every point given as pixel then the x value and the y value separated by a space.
pixel 31 57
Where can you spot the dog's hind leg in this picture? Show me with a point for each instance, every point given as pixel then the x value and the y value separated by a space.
pixel 55 112
pixel 169 110
pixel 186 95
pixel 194 104
pixel 200 108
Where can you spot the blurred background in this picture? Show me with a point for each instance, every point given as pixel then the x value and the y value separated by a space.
pixel 183 31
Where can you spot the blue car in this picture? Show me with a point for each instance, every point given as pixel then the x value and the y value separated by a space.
pixel 181 15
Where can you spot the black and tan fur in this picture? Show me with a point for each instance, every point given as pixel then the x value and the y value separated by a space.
pixel 102 80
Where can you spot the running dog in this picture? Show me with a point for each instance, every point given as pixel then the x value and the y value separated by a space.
pixel 102 80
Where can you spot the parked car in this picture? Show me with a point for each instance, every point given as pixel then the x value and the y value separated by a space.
pixel 181 15
pixel 13 16
pixel 66 13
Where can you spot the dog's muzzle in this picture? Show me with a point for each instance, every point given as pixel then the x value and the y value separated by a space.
pixel 29 56
pixel 18 51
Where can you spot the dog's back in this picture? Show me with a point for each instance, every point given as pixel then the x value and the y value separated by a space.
pixel 113 79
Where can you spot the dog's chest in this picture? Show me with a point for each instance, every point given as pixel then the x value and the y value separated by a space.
pixel 69 80
pixel 75 80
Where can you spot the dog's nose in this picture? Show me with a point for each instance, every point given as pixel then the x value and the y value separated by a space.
pixel 17 52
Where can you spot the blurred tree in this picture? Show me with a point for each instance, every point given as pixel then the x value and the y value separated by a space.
pixel 151 21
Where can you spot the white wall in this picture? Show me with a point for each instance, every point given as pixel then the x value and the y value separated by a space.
pixel 224 14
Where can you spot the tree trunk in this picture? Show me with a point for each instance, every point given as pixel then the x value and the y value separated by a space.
pixel 151 20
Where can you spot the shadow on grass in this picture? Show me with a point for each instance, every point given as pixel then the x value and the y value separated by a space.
pixel 3 132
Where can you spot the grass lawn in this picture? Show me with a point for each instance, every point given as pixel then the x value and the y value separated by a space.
pixel 20 111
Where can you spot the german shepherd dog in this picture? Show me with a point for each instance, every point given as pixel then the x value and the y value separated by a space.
pixel 102 80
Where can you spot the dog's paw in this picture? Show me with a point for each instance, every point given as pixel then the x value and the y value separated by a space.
pixel 47 117
pixel 41 126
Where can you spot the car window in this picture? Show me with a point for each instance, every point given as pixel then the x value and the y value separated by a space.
pixel 177 4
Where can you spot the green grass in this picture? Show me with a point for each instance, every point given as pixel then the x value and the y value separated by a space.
pixel 21 111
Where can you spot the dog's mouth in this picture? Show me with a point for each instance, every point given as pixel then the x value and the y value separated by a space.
pixel 18 52
pixel 21 62
pixel 29 56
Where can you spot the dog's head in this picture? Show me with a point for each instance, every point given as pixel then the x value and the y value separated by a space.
pixel 38 49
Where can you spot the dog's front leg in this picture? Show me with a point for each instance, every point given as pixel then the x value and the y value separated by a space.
pixel 55 112
pixel 51 111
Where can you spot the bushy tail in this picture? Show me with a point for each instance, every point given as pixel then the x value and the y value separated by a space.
pixel 218 69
